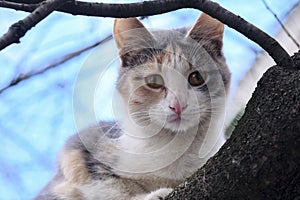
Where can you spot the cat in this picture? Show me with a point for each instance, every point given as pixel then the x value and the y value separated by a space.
pixel 171 93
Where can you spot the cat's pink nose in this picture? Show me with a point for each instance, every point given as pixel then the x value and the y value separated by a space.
pixel 177 108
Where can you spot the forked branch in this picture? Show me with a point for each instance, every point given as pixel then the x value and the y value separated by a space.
pixel 269 44
pixel 19 29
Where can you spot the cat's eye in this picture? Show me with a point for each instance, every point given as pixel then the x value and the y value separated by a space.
pixel 154 81
pixel 196 79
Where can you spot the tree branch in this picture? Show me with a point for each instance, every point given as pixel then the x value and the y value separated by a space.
pixel 281 24
pixel 27 1
pixel 269 44
pixel 18 30
pixel 62 60
pixel 19 6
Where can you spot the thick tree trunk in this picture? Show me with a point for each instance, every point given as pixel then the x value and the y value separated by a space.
pixel 261 160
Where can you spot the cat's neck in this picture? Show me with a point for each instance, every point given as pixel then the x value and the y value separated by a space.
pixel 166 151
pixel 150 138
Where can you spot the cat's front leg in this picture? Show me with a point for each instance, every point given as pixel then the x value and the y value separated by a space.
pixel 158 194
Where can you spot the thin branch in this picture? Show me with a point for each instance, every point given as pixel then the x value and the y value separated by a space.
pixel 147 8
pixel 62 60
pixel 19 6
pixel 27 1
pixel 18 30
pixel 281 24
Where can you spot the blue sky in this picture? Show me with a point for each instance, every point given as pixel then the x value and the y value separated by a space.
pixel 39 114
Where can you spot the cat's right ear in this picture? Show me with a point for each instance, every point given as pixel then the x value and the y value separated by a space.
pixel 130 32
pixel 209 32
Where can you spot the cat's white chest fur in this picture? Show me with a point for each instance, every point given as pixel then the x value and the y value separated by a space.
pixel 166 158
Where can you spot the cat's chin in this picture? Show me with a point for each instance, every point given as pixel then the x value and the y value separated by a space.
pixel 179 125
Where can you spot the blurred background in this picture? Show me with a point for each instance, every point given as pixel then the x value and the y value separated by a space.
pixel 66 68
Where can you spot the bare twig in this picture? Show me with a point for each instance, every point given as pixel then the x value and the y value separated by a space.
pixel 147 8
pixel 18 30
pixel 281 24
pixel 62 60
pixel 19 6
pixel 27 1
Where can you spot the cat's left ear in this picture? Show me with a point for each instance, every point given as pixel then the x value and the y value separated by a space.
pixel 208 31
pixel 130 32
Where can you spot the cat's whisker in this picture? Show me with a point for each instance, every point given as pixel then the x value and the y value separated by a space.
pixel 139 114
pixel 143 121
pixel 141 117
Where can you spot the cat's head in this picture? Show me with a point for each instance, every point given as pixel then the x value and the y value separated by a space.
pixel 173 79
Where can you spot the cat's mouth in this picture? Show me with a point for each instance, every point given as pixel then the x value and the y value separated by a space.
pixel 174 119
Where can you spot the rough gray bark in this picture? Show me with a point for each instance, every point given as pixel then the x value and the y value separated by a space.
pixel 261 160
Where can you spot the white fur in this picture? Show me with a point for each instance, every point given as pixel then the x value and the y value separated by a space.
pixel 158 194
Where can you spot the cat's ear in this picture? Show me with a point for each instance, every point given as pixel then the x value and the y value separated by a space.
pixel 130 32
pixel 208 31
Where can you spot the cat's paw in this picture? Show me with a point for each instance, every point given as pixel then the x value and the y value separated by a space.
pixel 159 194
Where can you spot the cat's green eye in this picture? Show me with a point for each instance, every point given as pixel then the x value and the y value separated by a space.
pixel 196 79
pixel 155 81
